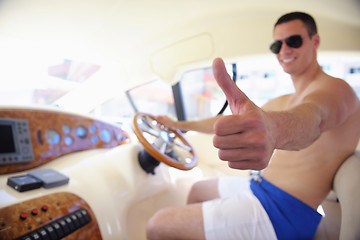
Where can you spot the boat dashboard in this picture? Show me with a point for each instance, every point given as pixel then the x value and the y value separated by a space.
pixel 30 140
pixel 69 176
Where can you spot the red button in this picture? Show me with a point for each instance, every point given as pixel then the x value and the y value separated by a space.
pixel 23 216
pixel 44 208
pixel 34 212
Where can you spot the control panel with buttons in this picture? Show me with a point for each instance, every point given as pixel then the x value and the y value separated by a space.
pixel 60 228
pixel 53 217
pixel 32 137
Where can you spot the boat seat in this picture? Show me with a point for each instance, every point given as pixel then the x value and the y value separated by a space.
pixel 342 206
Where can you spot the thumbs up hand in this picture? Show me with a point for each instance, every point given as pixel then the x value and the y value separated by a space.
pixel 244 138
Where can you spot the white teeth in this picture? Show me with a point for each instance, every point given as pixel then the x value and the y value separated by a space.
pixel 288 60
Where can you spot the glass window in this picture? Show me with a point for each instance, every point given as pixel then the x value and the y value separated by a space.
pixel 155 97
pixel 261 79
pixel 352 76
pixel 346 67
pixel 202 97
pixel 117 110
pixel 41 80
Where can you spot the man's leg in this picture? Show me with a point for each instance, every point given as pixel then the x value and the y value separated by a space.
pixel 177 223
pixel 239 215
pixel 203 191
pixel 184 222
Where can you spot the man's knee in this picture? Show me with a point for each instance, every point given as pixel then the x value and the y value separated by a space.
pixel 192 194
pixel 156 226
pixel 203 191
pixel 177 222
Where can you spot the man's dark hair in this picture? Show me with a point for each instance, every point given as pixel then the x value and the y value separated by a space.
pixel 308 21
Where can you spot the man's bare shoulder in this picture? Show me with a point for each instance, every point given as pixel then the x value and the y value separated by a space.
pixel 335 89
pixel 329 83
pixel 277 104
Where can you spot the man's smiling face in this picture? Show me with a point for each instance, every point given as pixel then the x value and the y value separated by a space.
pixel 295 60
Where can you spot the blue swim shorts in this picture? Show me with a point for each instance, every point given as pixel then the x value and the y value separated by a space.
pixel 291 218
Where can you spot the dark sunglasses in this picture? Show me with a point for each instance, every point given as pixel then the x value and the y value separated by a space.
pixel 294 41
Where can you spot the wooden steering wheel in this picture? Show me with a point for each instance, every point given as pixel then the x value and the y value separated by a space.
pixel 164 144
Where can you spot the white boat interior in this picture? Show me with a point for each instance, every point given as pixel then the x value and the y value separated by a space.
pixel 81 82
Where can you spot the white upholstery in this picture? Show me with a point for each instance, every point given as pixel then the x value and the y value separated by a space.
pixel 342 217
pixel 347 189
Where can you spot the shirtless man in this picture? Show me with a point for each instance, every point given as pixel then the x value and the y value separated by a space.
pixel 299 140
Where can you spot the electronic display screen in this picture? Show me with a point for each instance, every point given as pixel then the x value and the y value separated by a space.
pixel 15 141
pixel 7 143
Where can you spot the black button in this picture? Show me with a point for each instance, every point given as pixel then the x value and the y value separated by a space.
pixel 26 237
pixel 51 231
pixel 58 229
pixel 35 236
pixel 70 223
pixel 86 215
pixel 80 218
pixel 43 234
pixel 75 220
pixel 64 226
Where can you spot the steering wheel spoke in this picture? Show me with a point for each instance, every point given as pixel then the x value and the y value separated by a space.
pixel 165 145
pixel 163 148
pixel 146 127
pixel 183 146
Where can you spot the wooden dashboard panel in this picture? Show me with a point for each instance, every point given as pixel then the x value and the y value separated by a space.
pixel 55 133
pixel 63 215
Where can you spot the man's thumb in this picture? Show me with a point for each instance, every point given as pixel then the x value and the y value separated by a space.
pixel 233 94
